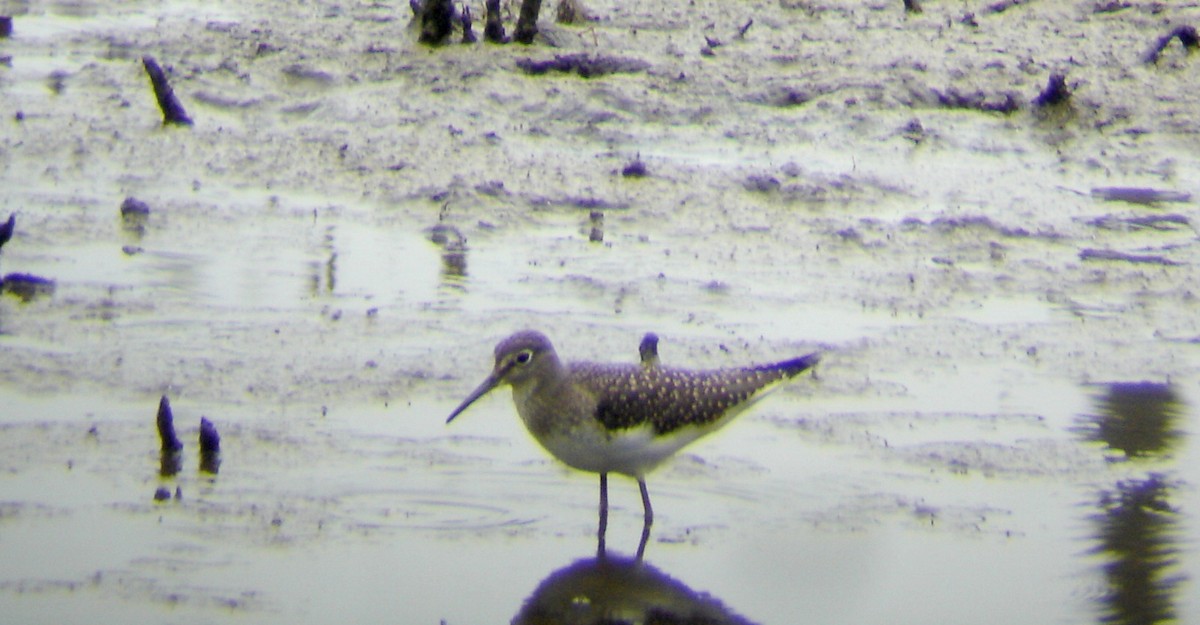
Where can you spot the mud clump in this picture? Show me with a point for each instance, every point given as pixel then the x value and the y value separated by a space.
pixel 583 64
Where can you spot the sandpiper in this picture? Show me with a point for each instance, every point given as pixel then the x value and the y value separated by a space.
pixel 621 418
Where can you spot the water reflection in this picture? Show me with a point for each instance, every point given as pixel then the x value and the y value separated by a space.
pixel 322 277
pixel 454 256
pixel 133 222
pixel 1136 527
pixel 1135 418
pixel 26 287
pixel 609 590
pixel 76 8
pixel 602 531
pixel 170 462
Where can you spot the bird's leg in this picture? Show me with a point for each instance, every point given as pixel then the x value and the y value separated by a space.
pixel 646 502
pixel 648 519
pixel 603 515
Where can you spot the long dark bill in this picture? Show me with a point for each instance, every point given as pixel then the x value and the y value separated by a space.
pixel 488 384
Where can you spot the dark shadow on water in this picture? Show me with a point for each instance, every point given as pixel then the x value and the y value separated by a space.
pixel 1136 529
pixel 26 287
pixel 322 275
pixel 1138 419
pixel 170 462
pixel 612 590
pixel 454 256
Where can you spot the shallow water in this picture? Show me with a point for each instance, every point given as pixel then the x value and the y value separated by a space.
pixel 1002 428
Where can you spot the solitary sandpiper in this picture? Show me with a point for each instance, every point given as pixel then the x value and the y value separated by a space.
pixel 622 418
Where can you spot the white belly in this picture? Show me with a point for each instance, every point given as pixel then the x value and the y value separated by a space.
pixel 633 452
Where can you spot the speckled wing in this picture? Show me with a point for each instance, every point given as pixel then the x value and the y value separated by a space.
pixel 669 399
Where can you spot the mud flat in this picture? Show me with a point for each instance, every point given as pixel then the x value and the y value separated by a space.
pixel 1002 428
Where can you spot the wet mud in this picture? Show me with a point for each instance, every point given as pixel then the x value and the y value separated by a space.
pixel 999 267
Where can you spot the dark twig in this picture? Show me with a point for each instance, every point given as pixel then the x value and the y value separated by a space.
pixel 468 35
pixel 493 27
pixel 210 447
pixel 1187 36
pixel 166 426
pixel 527 21
pixel 437 18
pixel 169 459
pixel 1056 92
pixel 745 27
pixel 172 110
pixel 912 6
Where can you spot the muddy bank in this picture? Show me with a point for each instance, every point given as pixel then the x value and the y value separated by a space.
pixel 328 254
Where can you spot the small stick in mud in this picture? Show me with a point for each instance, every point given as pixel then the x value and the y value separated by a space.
pixel 745 27
pixel 468 35
pixel 527 21
pixel 1056 92
pixel 169 459
pixel 1187 36
pixel 166 426
pixel 493 27
pixel 912 6
pixel 437 17
pixel 172 110
pixel 210 447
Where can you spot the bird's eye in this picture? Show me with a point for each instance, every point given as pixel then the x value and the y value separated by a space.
pixel 523 357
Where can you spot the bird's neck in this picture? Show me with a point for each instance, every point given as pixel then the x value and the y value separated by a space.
pixel 549 401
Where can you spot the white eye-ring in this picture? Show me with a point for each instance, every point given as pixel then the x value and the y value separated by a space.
pixel 523 357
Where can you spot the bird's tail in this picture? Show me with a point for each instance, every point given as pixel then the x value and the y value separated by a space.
pixel 794 367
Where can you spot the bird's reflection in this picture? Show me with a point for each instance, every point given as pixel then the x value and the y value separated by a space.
pixel 454 255
pixel 1136 527
pixel 612 590
pixel 1136 418
pixel 322 275
pixel 602 531
pixel 1136 531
